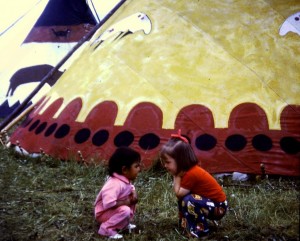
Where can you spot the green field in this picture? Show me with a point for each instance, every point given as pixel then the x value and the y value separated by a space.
pixel 48 199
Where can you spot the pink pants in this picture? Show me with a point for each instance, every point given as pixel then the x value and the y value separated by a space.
pixel 114 219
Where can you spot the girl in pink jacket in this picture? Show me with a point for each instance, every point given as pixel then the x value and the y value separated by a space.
pixel 115 203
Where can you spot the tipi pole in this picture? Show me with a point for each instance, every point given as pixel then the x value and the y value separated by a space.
pixel 17 119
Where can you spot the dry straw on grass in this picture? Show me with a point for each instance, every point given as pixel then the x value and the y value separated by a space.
pixel 46 199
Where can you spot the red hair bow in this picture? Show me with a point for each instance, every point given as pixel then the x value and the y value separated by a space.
pixel 178 135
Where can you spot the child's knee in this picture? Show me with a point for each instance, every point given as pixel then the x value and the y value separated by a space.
pixel 187 199
pixel 125 210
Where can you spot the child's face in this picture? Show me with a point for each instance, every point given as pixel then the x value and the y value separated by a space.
pixel 132 172
pixel 170 164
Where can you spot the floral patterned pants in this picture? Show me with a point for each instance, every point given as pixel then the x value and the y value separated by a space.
pixel 194 210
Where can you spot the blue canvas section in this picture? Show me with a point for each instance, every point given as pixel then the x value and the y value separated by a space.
pixel 66 12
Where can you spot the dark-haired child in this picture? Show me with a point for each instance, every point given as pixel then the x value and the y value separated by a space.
pixel 116 201
pixel 199 195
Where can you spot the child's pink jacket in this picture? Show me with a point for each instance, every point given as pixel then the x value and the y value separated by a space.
pixel 116 188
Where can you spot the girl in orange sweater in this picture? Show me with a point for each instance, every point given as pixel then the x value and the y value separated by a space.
pixel 200 197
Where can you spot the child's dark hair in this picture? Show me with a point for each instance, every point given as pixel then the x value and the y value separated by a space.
pixel 123 156
pixel 182 153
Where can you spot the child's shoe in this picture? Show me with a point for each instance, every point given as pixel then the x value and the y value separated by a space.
pixel 201 236
pixel 131 226
pixel 116 236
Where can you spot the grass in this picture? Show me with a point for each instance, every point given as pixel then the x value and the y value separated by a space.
pixel 48 199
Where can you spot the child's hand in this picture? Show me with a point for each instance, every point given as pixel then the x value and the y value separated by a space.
pixel 133 198
pixel 180 174
pixel 126 202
